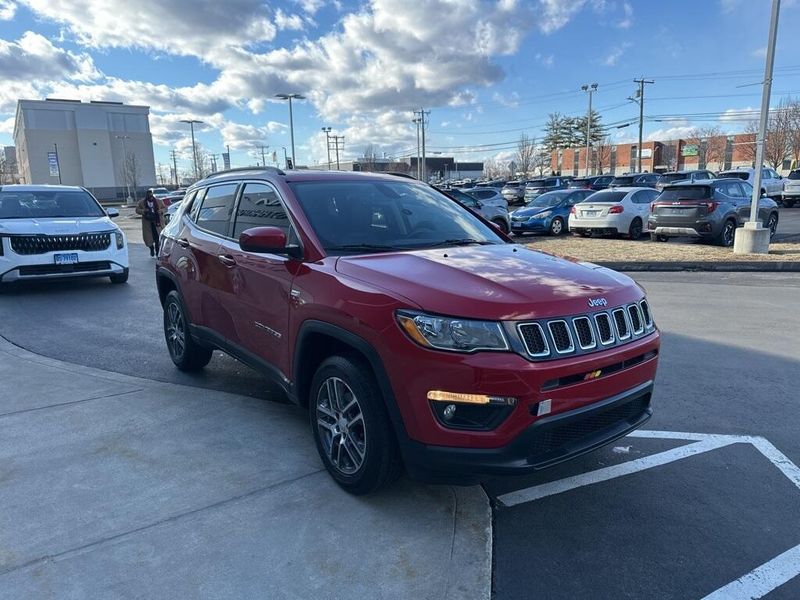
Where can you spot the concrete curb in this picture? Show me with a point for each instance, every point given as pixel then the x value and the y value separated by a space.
pixel 719 266
pixel 465 572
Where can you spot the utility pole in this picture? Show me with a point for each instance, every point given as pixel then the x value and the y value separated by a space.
pixel 754 238
pixel 591 89
pixel 327 131
pixel 174 156
pixel 191 123
pixel 263 158
pixel 336 139
pixel 422 118
pixel 419 170
pixel 228 148
pixel 214 162
pixel 640 96
pixel 290 97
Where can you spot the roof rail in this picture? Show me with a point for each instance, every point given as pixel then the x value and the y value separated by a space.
pixel 275 170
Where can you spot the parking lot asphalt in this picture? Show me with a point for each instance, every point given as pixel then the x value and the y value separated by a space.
pixel 120 487
pixel 681 529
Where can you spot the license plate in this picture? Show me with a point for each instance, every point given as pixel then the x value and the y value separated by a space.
pixel 676 211
pixel 67 259
pixel 589 213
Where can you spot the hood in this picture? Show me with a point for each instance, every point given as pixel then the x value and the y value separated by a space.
pixel 532 211
pixel 500 282
pixel 60 226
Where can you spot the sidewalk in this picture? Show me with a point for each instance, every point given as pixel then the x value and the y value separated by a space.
pixel 114 486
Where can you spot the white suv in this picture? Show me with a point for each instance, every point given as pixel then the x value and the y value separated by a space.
pixel 54 231
pixel 771 182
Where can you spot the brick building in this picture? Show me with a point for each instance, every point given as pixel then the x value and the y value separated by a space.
pixel 716 154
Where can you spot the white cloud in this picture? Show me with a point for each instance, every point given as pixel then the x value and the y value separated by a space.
pixel 554 14
pixel 275 127
pixel 7 10
pixel 286 21
pixel 612 58
pixel 739 114
pixel 545 60
pixel 627 19
pixel 510 101
pixel 759 52
pixel 678 131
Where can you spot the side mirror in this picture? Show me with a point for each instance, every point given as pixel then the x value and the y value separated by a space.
pixel 113 213
pixel 266 240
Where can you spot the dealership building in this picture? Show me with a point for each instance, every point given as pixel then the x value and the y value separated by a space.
pixel 105 147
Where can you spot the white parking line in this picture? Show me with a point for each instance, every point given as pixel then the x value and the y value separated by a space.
pixel 762 580
pixel 634 466
pixel 755 584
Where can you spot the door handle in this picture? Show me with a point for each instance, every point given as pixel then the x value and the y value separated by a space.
pixel 226 260
pixel 183 242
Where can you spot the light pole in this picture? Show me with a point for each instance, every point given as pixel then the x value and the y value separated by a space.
pixel 289 97
pixel 286 160
pixel 419 168
pixel 590 89
pixel 327 131
pixel 122 138
pixel 191 123
pixel 754 238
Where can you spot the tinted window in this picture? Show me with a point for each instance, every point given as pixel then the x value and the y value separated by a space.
pixel 606 196
pixel 644 197
pixel 195 209
pixel 548 199
pixel 794 175
pixel 744 175
pixel 48 204
pixel 622 181
pixel 260 206
pixel 537 183
pixel 379 216
pixel 730 188
pixel 688 192
pixel 670 177
pixel 216 208
pixel 701 175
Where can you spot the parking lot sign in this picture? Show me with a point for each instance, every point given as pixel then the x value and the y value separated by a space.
pixel 52 161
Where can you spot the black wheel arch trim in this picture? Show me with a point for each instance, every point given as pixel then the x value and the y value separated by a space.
pixel 311 327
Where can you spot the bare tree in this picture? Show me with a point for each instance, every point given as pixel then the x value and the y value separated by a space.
pixel 794 129
pixel 526 150
pixel 778 143
pixel 493 168
pixel 750 145
pixel 370 157
pixel 602 152
pixel 132 173
pixel 710 144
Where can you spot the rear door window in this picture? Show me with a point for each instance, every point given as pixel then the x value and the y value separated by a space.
pixel 217 208
pixel 260 206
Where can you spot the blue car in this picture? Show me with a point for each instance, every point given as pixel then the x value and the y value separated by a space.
pixel 547 213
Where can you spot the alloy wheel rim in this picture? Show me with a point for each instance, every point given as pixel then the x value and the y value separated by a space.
pixel 728 235
pixel 340 424
pixel 176 335
pixel 556 226
pixel 773 225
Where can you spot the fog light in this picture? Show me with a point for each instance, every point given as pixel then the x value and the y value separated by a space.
pixel 449 412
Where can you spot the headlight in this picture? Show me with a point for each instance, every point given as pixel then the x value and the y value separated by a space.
pixel 120 240
pixel 452 333
pixel 545 214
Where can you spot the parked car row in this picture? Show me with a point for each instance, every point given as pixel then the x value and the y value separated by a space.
pixel 708 209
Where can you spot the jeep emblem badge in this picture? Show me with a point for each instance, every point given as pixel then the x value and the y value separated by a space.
pixel 593 302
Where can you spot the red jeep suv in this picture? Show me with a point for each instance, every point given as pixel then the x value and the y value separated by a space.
pixel 416 333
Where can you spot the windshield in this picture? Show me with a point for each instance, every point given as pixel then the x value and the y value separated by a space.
pixel 689 192
pixel 605 196
pixel 794 175
pixel 537 183
pixel 548 199
pixel 380 216
pixel 744 175
pixel 48 204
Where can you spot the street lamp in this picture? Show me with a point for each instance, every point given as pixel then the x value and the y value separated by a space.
pixel 125 166
pixel 289 97
pixel 191 123
pixel 591 89
pixel 327 131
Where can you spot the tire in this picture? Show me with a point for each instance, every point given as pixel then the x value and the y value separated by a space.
pixel 658 238
pixel 788 203
pixel 726 234
pixel 772 224
pixel 585 234
pixel 557 226
pixel 351 427
pixel 186 353
pixel 635 230
pixel 502 225
pixel 120 277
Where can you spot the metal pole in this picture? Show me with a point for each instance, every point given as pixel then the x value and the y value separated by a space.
pixel 286 160
pixel 291 129
pixel 336 138
pixel 424 165
pixel 194 153
pixel 591 89
pixel 419 170
pixel 765 98
pixel 58 162
pixel 328 144
pixel 175 166
pixel 641 83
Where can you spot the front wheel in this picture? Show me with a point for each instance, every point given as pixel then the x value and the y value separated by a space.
pixel 119 277
pixel 727 234
pixel 635 230
pixel 351 427
pixel 557 226
pixel 772 224
pixel 186 353
pixel 502 225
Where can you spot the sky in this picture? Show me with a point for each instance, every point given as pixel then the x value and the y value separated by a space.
pixel 487 71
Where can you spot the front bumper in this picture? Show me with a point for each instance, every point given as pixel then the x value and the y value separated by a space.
pixel 547 442
pixel 28 267
pixel 531 225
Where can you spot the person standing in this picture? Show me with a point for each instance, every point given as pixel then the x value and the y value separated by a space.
pixel 152 211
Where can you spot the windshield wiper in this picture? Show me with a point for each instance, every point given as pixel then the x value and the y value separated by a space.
pixel 366 247
pixel 459 242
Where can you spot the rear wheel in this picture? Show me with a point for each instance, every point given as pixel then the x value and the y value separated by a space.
pixel 186 353
pixel 635 230
pixel 658 238
pixel 727 234
pixel 557 226
pixel 788 203
pixel 351 427
pixel 772 224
